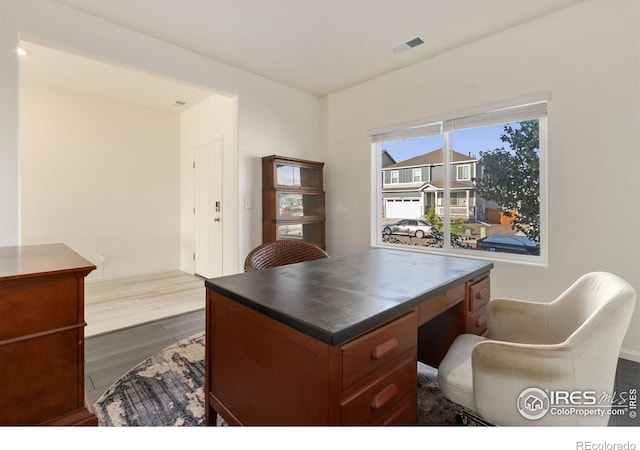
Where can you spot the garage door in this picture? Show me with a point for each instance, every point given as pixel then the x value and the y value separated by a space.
pixel 403 208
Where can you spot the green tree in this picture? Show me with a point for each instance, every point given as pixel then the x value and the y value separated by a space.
pixel 511 178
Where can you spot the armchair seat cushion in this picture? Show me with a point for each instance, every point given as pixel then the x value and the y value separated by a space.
pixel 455 371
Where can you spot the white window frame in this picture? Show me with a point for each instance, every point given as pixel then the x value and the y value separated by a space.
pixel 418 178
pixel 458 195
pixel 519 109
pixel 468 170
pixel 394 178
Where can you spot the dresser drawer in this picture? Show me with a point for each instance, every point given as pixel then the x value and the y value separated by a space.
pixel 41 307
pixel 377 401
pixel 477 321
pixel 479 294
pixel 366 354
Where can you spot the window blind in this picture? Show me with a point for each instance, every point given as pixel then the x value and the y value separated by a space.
pixel 504 115
pixel 524 108
pixel 408 132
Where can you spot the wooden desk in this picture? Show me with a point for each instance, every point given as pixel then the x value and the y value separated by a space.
pixel 335 341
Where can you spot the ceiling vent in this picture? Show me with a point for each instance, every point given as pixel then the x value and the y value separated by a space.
pixel 408 45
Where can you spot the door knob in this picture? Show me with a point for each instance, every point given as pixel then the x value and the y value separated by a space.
pixel 217 219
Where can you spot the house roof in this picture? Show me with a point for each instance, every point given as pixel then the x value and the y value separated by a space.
pixel 428 185
pixel 412 187
pixel 439 185
pixel 430 159
pixel 387 159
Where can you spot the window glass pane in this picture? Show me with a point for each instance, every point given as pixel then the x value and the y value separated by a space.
pixel 412 184
pixel 498 208
pixel 463 172
pixel 476 187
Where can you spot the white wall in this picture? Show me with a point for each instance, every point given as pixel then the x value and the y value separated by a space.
pixel 271 124
pixel 102 177
pixel 272 118
pixel 213 118
pixel 9 141
pixel 588 56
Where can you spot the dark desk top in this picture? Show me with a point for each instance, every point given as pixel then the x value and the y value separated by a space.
pixel 336 299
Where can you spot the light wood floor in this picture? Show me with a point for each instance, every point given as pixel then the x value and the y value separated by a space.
pixel 116 304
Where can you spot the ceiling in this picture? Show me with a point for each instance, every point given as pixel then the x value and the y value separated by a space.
pixel 317 46
pixel 70 72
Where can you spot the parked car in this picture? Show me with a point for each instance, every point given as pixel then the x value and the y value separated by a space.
pixel 509 243
pixel 410 227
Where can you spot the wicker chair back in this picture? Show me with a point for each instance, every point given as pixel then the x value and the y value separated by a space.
pixel 281 253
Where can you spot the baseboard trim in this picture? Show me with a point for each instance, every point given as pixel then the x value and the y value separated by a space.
pixel 98 278
pixel 630 355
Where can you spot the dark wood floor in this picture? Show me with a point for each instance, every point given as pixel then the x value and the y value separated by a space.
pixel 111 355
pixel 627 378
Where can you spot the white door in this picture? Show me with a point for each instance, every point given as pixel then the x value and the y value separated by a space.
pixel 208 210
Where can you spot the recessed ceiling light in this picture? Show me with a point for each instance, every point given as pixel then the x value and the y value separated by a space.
pixel 411 43
pixel 21 52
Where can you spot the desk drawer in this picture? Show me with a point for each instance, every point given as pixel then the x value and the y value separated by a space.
pixel 435 306
pixel 477 321
pixel 404 413
pixel 479 294
pixel 366 354
pixel 379 399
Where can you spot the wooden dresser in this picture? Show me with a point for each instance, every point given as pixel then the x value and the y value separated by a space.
pixel 42 336
pixel 335 341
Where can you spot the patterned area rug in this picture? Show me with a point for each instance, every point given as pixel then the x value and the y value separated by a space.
pixel 168 390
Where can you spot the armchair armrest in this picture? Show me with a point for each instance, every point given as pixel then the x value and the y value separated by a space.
pixel 518 321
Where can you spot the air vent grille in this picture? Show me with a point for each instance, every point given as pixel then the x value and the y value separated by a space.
pixel 415 42
pixel 412 43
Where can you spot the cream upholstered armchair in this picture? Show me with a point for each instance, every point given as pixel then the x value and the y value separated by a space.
pixel 568 345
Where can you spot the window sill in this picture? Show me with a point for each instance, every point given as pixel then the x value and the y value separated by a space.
pixel 535 261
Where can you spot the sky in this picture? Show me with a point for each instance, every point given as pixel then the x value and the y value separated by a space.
pixel 470 141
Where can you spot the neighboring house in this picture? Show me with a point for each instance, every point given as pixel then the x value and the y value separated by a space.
pixel 387 159
pixel 413 186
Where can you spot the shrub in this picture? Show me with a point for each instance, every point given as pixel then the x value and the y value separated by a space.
pixel 432 217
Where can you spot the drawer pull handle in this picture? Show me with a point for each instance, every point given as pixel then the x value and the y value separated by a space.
pixel 482 293
pixel 381 350
pixel 383 397
pixel 481 321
